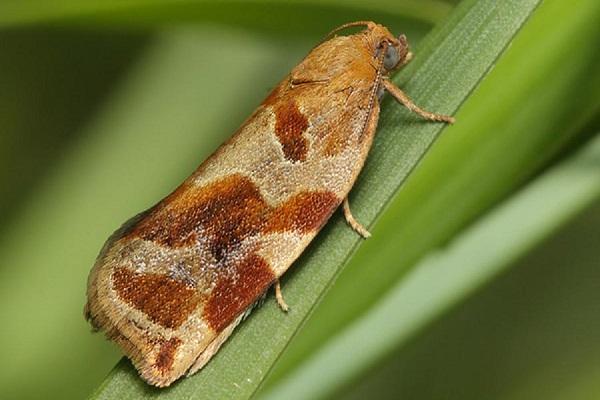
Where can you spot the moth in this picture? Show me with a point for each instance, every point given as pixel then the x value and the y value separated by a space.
pixel 172 283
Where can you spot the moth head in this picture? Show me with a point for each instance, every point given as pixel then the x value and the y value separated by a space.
pixel 390 51
pixel 396 52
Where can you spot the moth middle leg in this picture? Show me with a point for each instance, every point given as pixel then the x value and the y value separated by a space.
pixel 354 224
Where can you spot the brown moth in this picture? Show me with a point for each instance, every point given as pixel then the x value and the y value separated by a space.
pixel 173 282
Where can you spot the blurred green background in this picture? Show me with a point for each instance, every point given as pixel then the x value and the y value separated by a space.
pixel 106 106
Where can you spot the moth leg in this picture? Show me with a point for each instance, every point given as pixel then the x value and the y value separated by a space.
pixel 279 297
pixel 402 98
pixel 354 224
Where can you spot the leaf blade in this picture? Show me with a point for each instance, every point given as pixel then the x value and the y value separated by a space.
pixel 514 123
pixel 315 271
pixel 448 275
pixel 160 12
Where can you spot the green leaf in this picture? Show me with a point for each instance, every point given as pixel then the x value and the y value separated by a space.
pixel 449 275
pixel 445 72
pixel 517 120
pixel 299 16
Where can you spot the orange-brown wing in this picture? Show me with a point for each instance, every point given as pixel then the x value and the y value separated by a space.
pixel 170 286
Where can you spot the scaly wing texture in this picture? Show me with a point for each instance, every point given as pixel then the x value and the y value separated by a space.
pixel 174 278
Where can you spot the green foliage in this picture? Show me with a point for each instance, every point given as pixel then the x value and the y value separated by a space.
pixel 152 87
pixel 448 275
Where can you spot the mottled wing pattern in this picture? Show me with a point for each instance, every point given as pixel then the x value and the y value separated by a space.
pixel 178 276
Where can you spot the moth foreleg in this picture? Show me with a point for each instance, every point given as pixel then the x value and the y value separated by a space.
pixel 408 103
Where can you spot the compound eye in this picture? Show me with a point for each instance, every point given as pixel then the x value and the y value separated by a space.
pixel 391 58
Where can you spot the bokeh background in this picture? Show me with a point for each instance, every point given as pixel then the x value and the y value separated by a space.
pixel 106 106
